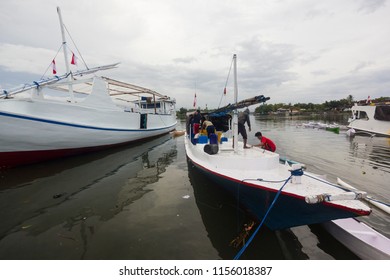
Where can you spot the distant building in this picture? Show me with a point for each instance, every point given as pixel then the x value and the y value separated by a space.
pixel 283 112
pixel 295 112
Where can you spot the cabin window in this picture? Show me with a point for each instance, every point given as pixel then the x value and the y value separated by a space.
pixel 382 113
pixel 361 115
pixel 151 106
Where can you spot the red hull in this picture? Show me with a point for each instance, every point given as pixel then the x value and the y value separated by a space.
pixel 13 159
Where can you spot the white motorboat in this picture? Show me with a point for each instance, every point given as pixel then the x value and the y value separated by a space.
pixel 373 119
pixel 95 113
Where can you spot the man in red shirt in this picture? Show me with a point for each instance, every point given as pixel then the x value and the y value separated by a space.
pixel 265 142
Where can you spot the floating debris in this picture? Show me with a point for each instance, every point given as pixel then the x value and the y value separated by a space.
pixel 240 239
pixel 59 195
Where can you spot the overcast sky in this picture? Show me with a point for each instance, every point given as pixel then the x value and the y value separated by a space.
pixel 290 50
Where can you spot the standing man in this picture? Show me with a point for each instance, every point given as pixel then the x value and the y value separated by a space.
pixel 265 142
pixel 196 121
pixel 243 118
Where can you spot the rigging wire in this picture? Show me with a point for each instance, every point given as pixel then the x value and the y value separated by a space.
pixel 51 62
pixel 78 51
pixel 227 79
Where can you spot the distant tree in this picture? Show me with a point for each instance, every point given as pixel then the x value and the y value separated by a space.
pixel 181 114
pixel 350 100
pixel 264 109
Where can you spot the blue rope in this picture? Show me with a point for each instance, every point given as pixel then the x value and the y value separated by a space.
pixel 262 221
pixel 298 172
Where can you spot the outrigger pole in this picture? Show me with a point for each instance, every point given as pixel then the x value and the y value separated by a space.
pixel 55 79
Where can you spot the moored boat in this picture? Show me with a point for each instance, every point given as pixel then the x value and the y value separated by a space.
pixel 361 239
pixel 279 194
pixel 333 128
pixel 373 119
pixel 329 127
pixel 97 112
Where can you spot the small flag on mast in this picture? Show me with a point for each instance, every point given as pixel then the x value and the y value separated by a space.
pixel 53 66
pixel 195 100
pixel 224 91
pixel 74 59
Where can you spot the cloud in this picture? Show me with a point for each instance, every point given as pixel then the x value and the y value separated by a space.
pixel 184 60
pixel 362 65
pixel 290 50
pixel 371 6
pixel 19 58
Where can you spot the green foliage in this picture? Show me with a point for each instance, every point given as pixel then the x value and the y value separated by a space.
pixel 181 114
pixel 333 105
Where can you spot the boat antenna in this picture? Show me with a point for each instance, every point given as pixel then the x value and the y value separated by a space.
pixel 66 55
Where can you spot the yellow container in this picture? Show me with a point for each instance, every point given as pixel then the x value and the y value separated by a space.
pixel 219 133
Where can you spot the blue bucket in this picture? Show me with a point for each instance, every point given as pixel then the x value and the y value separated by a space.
pixel 202 139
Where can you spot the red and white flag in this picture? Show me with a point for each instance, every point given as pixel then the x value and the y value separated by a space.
pixel 53 66
pixel 368 100
pixel 195 100
pixel 74 59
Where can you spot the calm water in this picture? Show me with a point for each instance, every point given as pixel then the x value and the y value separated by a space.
pixel 146 202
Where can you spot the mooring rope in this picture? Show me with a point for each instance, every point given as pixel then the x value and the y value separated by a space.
pixel 263 220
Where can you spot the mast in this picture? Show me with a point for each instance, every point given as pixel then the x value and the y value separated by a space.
pixel 235 113
pixel 66 56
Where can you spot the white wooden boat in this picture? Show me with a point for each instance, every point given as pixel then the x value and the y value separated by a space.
pixel 280 194
pixel 96 112
pixel 373 119
pixel 361 239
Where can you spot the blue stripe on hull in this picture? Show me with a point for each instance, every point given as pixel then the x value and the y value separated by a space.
pixel 288 211
pixel 78 125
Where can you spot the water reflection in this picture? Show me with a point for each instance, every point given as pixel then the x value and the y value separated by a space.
pixel 374 150
pixel 73 197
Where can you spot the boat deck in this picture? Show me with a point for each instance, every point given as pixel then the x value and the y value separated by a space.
pixel 260 168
